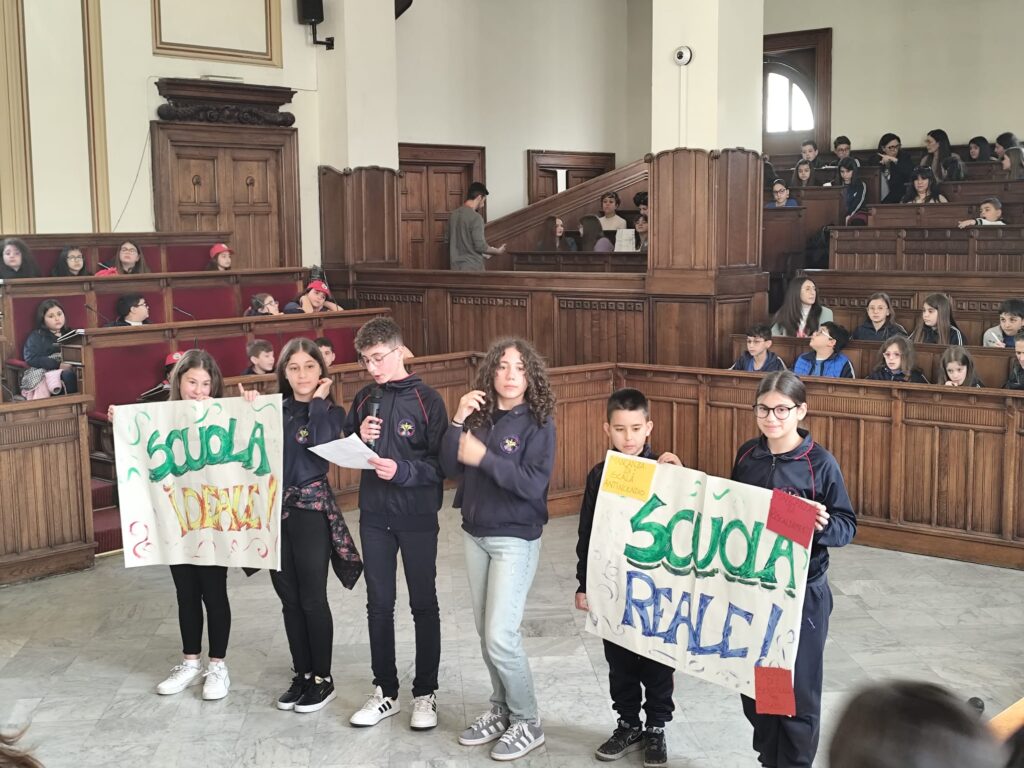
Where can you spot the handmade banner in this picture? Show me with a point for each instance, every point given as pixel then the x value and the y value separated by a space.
pixel 700 573
pixel 200 482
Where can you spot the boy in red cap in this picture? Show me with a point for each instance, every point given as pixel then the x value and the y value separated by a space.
pixel 316 298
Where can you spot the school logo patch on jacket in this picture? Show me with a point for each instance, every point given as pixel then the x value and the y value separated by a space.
pixel 405 428
pixel 511 444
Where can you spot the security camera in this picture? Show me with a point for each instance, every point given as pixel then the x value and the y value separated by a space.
pixel 682 55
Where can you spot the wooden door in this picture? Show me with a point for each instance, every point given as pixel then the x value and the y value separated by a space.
pixel 243 180
pixel 433 184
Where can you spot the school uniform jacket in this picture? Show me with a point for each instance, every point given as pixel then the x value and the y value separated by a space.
pixel 810 472
pixel 507 494
pixel 1016 380
pixel 586 526
pixel 772 362
pixel 931 336
pixel 838 366
pixel 306 424
pixel 414 423
pixel 39 345
pixel 866 331
pixel 884 374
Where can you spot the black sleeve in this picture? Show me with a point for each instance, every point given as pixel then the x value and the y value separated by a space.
pixel 326 421
pixel 427 470
pixel 38 349
pixel 352 420
pixel 529 478
pixel 842 522
pixel 586 526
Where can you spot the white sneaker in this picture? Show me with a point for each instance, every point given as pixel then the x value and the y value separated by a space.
pixel 424 712
pixel 182 676
pixel 376 708
pixel 217 681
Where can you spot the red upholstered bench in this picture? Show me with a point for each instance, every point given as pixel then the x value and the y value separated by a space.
pixel 205 302
pixel 187 258
pixel 124 373
pixel 106 305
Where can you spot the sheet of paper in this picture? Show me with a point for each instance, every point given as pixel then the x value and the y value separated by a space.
pixel 350 452
pixel 625 240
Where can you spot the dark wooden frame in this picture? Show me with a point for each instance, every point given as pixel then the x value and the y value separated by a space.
pixel 821 41
pixel 446 154
pixel 538 160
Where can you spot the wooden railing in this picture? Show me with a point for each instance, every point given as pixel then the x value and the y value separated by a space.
pixel 927 249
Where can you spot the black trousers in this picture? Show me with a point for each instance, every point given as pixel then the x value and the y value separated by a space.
pixel 792 742
pixel 199 585
pixel 634 679
pixel 380 562
pixel 302 586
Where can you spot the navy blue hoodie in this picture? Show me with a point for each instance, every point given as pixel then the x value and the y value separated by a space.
pixel 305 424
pixel 866 331
pixel 808 471
pixel 507 494
pixel 745 362
pixel 882 373
pixel 414 423
pixel 587 507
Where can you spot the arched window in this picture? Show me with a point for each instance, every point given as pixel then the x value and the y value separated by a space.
pixel 786 105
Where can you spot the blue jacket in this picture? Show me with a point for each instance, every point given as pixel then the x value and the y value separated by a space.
pixel 809 472
pixel 772 362
pixel 884 374
pixel 414 423
pixel 837 367
pixel 866 331
pixel 507 494
pixel 305 424
pixel 39 345
pixel 586 527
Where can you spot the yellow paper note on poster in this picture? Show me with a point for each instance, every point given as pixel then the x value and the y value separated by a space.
pixel 628 477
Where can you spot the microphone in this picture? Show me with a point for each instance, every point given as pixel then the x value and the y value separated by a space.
pixel 375 395
pixel 102 265
pixel 195 340
pixel 96 312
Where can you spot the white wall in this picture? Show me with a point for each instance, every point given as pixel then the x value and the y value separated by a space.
pixel 513 76
pixel 909 66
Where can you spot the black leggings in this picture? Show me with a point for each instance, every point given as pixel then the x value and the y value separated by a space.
pixel 199 585
pixel 302 586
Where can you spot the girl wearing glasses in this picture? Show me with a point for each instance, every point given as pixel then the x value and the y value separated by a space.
pixel 128 260
pixel 70 263
pixel 896 167
pixel 785 457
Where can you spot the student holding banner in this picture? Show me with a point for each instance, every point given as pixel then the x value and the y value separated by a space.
pixel 501 444
pixel 196 376
pixel 786 458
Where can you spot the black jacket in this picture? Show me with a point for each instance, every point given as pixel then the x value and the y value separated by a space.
pixel 587 507
pixel 507 494
pixel 809 472
pixel 305 424
pixel 899 175
pixel 39 345
pixel 745 362
pixel 1016 380
pixel 884 374
pixel 27 270
pixel 931 336
pixel 414 423
pixel 866 331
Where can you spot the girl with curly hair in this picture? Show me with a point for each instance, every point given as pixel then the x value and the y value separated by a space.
pixel 501 444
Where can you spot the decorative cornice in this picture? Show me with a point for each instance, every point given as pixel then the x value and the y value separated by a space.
pixel 210 101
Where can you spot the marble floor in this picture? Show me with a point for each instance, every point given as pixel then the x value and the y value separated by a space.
pixel 80 656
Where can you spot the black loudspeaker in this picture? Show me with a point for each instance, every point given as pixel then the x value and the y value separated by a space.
pixel 311 11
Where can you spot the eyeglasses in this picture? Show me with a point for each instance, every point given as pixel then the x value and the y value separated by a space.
pixel 366 362
pixel 781 411
pixel 821 332
pixel 271 303
pixel 142 304
pixel 76 257
pixel 891 147
pixel 129 249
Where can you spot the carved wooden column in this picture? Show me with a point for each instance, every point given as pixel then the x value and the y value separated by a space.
pixel 703 266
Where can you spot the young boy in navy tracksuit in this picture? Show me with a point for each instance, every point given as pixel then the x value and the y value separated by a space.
pixel 785 457
pixel 759 357
pixel 398 504
pixel 630 675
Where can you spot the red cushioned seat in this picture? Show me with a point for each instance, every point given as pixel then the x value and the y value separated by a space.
pixel 206 303
pixel 124 373
pixel 187 258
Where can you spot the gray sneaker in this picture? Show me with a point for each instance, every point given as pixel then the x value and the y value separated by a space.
pixel 486 728
pixel 520 738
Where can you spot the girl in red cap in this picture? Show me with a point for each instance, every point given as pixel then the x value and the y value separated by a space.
pixel 317 298
pixel 220 258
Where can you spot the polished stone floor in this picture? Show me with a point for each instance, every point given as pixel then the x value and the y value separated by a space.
pixel 80 656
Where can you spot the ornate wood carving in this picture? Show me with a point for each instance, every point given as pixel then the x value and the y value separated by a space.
pixel 213 101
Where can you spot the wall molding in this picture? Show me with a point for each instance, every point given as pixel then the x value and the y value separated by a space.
pixel 269 56
pixel 17 207
pixel 96 116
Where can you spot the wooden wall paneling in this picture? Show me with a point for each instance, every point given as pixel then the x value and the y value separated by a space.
pixel 523 230
pixel 782 239
pixel 1013 524
pixel 974 191
pixel 928 249
pixel 407 309
pixel 594 330
pixel 414 217
pixel 737 184
pixel 478 319
pixel 46 509
pixel 936 214
pixel 542 164
pixel 824 206
pixel 243 179
pixel 681 327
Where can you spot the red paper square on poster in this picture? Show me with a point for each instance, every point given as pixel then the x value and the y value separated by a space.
pixel 773 691
pixel 792 517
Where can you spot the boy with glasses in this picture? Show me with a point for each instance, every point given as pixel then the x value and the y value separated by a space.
pixel 404 421
pixel 826 357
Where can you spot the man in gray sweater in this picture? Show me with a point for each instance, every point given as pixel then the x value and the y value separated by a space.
pixel 467 248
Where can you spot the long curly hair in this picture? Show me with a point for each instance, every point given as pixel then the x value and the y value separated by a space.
pixel 539 397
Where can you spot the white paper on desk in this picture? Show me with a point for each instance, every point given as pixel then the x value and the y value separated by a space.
pixel 350 452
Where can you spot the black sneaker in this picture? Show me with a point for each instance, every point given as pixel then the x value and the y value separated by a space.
pixel 294 693
pixel 655 749
pixel 625 739
pixel 319 692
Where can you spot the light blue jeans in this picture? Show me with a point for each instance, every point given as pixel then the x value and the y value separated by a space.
pixel 501 570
